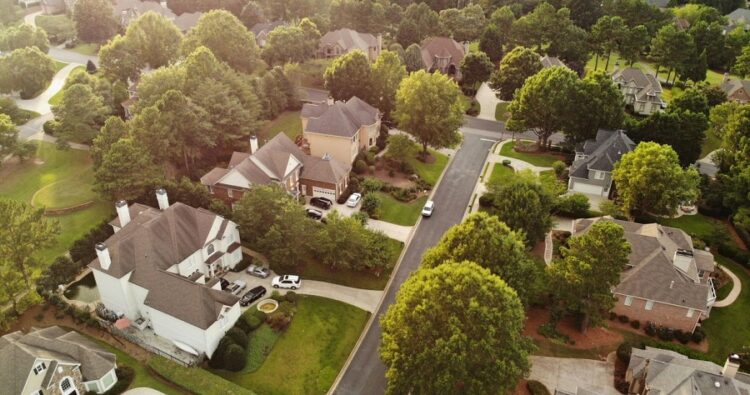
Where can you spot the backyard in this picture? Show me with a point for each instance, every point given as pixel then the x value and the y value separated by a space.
pixel 728 328
pixel 307 357
pixel 88 49
pixel 400 213
pixel 288 122
pixel 57 179
pixel 543 159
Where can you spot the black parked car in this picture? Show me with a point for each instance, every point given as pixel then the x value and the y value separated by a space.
pixel 252 295
pixel 224 283
pixel 314 214
pixel 321 202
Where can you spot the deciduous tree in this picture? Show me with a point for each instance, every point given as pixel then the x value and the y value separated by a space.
pixel 95 21
pixel 226 37
pixel 534 220
pixel 23 36
pixel 24 231
pixel 8 136
pixel 350 75
pixel 516 66
pixel 155 39
pixel 126 172
pixel 476 67
pixel 387 74
pixel 413 58
pixel 79 115
pixel 27 70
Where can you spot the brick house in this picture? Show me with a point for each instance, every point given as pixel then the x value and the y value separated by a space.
pixel 736 90
pixel 280 162
pixel 443 54
pixel 341 129
pixel 667 281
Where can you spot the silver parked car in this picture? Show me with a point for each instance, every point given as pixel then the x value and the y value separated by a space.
pixel 258 271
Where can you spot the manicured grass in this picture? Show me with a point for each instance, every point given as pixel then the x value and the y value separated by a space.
pixel 261 343
pixel 500 173
pixel 289 122
pixel 308 356
pixel 501 111
pixel 710 144
pixel 542 159
pixel 23 116
pixel 315 270
pixel 57 98
pixel 697 225
pixel 86 49
pixel 195 380
pixel 430 172
pixel 66 193
pixel 59 65
pixel 21 181
pixel 728 328
pixel 724 291
pixel 400 213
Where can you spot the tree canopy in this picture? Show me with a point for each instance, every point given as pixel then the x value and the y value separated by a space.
pixel 26 70
pixel 349 75
pixel 94 20
pixel 515 67
pixel 227 38
pixel 23 36
pixel 527 192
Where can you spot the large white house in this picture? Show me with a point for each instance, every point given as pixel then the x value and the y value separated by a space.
pixel 161 269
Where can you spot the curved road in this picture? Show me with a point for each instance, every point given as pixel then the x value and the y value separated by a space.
pixel 365 373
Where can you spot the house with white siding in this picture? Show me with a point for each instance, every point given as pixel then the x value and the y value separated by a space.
pixel 161 268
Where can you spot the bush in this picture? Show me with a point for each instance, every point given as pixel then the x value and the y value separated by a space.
pixel 279 321
pixel 635 324
pixel 192 379
pixel 371 204
pixel 238 336
pixel 360 167
pixel 125 376
pixel 83 249
pixel 575 205
pixel 506 162
pixel 253 322
pixel 261 315
pixel 234 358
pixel 623 318
pixel 291 297
pixel 372 184
pixel 650 328
pixel 217 359
pixel 286 308
pixel 277 296
pixel 243 264
pixel 361 216
pixel 665 333
pixel 60 272
pixel 536 388
pixel 559 167
pixel 403 195
pixel 624 350
pixel 682 337
pixel 50 127
pixel 612 315
pixel 486 201
pixel 473 109
pixel 698 335
pixel 407 168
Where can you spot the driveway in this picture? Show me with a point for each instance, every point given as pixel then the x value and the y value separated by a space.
pixel 488 101
pixel 365 374
pixel 397 232
pixel 40 103
pixel 313 95
pixel 568 374
pixel 365 299
pixel 706 164
pixel 142 391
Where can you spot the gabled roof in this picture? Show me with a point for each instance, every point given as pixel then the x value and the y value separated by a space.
pixel 266 27
pixel 349 39
pixel 740 15
pixel 342 119
pixel 651 273
pixel 601 153
pixel 441 47
pixel 731 85
pixel 551 61
pixel 19 351
pixel 648 87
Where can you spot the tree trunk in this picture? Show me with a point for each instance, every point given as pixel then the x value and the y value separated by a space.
pixel 606 66
pixel 424 152
pixel 584 323
pixel 596 61
pixel 185 159
pixel 657 72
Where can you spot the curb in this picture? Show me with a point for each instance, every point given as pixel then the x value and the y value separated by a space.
pixel 374 315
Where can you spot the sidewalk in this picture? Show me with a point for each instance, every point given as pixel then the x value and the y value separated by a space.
pixel 734 293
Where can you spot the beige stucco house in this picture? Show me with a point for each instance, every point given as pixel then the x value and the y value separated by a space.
pixel 443 54
pixel 339 42
pixel 340 129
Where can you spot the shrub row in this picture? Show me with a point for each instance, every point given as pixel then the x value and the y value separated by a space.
pixel 191 379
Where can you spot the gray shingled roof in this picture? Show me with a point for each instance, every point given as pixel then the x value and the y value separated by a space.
pixel 648 87
pixel 741 15
pixel 341 119
pixel 651 274
pixel 441 47
pixel 266 27
pixel 732 85
pixel 153 241
pixel 551 61
pixel 602 152
pixel 18 351
pixel 349 39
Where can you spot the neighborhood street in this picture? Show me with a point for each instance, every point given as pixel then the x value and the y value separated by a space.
pixel 366 373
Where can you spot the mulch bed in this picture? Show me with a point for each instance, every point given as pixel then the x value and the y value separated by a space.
pixel 702 347
pixel 398 180
pixel 593 338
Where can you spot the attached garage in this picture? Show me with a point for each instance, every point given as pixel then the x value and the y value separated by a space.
pixel 582 187
pixel 324 192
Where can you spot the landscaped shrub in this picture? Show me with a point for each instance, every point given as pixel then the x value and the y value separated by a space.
pixel 506 162
pixel 423 185
pixel 403 195
pixel 682 337
pixel 623 318
pixel 191 379
pixel 635 324
pixel 559 167
pixel 536 388
pixel 50 127
pixel 574 205
pixel 650 328
pixel 485 200
pixel 60 272
pixel 217 359
pixel 83 249
pixel 291 297
pixel 624 350
pixel 243 264
pixel 372 184
pixel 371 204
pixel 698 335
pixel 361 216
pixel 664 333
pixel 279 321
pixel 125 376
pixel 549 331
pixel 407 168
pixel 612 315
pixel 234 358
pixel 360 167
pixel 286 308
pixel 238 336
pixel 253 322
pixel 277 296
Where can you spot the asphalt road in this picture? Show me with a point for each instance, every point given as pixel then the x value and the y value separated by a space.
pixel 366 373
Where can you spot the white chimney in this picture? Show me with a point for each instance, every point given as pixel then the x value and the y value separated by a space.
pixel 162 198
pixel 123 213
pixel 731 366
pixel 329 101
pixel 102 252
pixel 253 144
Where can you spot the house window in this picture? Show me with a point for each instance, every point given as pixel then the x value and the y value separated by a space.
pixel 39 368
pixel 649 304
pixel 689 313
pixel 66 386
pixel 210 249
pixel 628 300
pixel 598 175
pixel 229 193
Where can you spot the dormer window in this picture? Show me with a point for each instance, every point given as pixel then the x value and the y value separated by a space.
pixel 39 368
pixel 210 249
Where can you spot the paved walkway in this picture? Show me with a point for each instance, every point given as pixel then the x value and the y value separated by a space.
pixel 488 101
pixel 569 374
pixel 40 103
pixel 734 293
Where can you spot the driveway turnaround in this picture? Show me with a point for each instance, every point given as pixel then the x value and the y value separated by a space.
pixel 365 373
pixel 569 374
pixel 487 102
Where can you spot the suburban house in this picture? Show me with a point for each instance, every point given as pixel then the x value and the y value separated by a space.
pixel 443 54
pixel 340 129
pixel 551 61
pixel 591 171
pixel 641 90
pixel 51 7
pixel 261 30
pixel 666 281
pixel 736 90
pixel 738 18
pixel 339 42
pixel 161 271
pixel 279 161
pixel 128 10
pixel 659 371
pixel 54 361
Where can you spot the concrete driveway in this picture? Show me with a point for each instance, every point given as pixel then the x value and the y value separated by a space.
pixel 397 232
pixel 568 374
pixel 365 299
pixel 488 101
pixel 40 103
pixel 142 391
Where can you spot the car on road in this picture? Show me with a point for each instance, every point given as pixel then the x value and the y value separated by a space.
pixel 314 214
pixel 286 281
pixel 353 200
pixel 252 295
pixel 258 271
pixel 236 287
pixel 428 208
pixel 321 202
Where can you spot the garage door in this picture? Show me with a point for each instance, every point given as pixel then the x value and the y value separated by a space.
pixel 324 192
pixel 587 188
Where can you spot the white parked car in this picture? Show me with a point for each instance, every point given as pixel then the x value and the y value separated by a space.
pixel 428 208
pixel 287 281
pixel 353 200
pixel 237 287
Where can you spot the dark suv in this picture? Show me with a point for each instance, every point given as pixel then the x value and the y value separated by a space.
pixel 252 295
pixel 321 202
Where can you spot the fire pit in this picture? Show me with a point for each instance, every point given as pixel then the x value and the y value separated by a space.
pixel 268 306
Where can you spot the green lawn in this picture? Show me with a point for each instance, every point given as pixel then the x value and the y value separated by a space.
pixel 259 347
pixel 728 328
pixel 59 65
pixel 66 193
pixel 500 172
pixel 308 356
pixel 315 270
pixel 400 213
pixel 22 116
pixel 543 160
pixel 698 225
pixel 430 172
pixel 724 291
pixel 86 49
pixel 710 144
pixel 289 122
pixel 501 111
pixel 57 98
pixel 69 167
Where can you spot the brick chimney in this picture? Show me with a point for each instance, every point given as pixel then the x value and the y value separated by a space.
pixel 102 252
pixel 123 213
pixel 731 366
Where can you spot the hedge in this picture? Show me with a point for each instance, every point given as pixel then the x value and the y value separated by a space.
pixel 194 379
